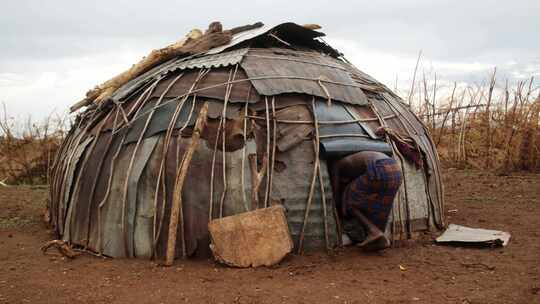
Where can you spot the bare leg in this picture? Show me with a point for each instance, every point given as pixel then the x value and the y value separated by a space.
pixel 375 235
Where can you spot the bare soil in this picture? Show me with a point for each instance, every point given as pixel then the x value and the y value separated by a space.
pixel 416 272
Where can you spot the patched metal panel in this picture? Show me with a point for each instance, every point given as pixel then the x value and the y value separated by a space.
pixel 160 118
pixel 141 159
pixel 337 112
pixel 212 85
pixel 85 191
pixel 291 187
pixel 112 225
pixel 277 71
pixel 345 138
pixel 145 199
pixel 95 215
pixel 71 177
pixel 163 114
pixel 417 200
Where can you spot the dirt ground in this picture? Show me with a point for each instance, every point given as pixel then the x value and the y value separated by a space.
pixel 417 272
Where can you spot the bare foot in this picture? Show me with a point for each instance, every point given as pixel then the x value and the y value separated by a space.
pixel 374 242
pixel 376 245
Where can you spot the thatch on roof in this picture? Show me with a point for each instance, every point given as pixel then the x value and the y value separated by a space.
pixel 281 104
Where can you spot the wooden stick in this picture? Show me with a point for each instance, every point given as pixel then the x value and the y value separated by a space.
pixel 244 150
pixel 310 195
pixel 267 150
pixel 162 169
pixel 319 173
pixel 132 162
pixel 223 141
pixel 176 210
pixel 161 179
pixel 323 122
pixel 308 207
pixel 273 156
pixel 256 178
pixel 411 92
pixel 212 174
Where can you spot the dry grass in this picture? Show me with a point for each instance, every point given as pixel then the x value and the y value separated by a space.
pixel 27 148
pixel 493 126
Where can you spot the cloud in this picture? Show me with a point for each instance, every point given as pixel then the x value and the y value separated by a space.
pixel 53 52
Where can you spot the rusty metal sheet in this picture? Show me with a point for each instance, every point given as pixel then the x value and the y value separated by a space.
pixel 82 217
pixel 146 192
pixel 112 224
pixel 213 85
pixel 283 101
pixel 141 159
pixel 215 109
pixel 289 135
pixel 61 177
pixel 366 113
pixel 309 73
pixel 164 113
pixel 73 172
pixel 109 149
pixel 161 117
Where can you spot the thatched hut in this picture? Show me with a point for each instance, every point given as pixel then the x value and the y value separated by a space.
pixel 281 104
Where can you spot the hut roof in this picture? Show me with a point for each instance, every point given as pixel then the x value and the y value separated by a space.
pixel 312 66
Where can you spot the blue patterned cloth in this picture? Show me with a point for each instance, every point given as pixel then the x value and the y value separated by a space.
pixel 373 192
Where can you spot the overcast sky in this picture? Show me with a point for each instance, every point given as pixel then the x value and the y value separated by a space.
pixel 52 52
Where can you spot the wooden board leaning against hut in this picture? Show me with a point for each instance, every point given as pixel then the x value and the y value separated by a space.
pixel 279 104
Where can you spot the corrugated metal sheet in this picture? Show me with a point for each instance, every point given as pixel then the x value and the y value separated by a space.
pixel 207 61
pixel 192 62
pixel 277 71
pixel 291 187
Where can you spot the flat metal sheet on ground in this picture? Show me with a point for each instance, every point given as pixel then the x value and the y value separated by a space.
pixel 462 234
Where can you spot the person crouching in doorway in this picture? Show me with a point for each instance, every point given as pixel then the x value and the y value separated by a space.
pixel 365 185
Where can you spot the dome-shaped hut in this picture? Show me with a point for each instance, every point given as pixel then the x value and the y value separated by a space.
pixel 281 104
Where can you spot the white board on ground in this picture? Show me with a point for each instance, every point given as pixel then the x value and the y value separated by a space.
pixel 461 234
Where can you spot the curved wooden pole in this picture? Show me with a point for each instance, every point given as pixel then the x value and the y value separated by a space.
pixel 176 210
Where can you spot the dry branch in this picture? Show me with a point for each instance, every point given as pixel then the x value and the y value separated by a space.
pixel 176 210
pixel 62 247
pixel 194 42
